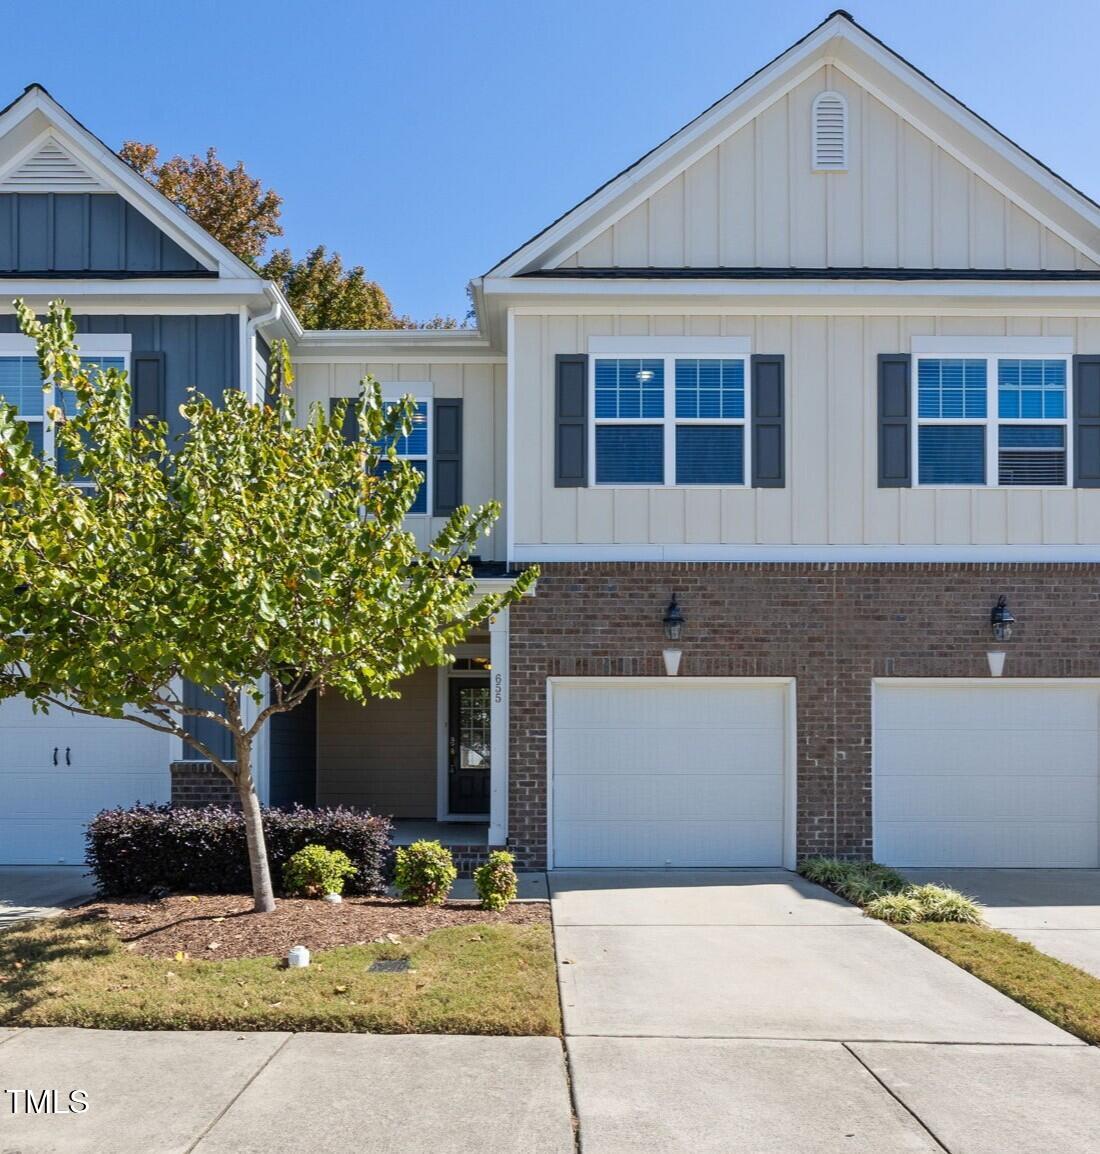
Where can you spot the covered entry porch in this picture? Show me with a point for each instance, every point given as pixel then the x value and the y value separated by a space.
pixel 433 760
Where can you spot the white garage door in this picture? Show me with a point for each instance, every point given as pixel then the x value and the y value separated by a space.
pixel 668 773
pixel 99 763
pixel 987 775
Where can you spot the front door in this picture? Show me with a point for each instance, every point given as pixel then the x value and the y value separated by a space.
pixel 468 746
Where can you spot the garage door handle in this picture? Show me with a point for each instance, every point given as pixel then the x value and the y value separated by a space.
pixel 55 755
pixel 68 760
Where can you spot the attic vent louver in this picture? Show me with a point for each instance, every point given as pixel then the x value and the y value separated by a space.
pixel 830 132
pixel 50 169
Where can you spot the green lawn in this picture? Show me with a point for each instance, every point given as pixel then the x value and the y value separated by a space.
pixel 483 979
pixel 1059 992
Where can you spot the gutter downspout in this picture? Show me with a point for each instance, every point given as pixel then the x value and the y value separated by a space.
pixel 273 314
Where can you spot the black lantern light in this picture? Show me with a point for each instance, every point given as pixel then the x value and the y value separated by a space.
pixel 673 621
pixel 1001 620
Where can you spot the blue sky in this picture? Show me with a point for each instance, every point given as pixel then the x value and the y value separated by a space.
pixel 427 139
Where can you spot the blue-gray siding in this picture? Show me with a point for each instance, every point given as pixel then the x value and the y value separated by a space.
pixel 293 746
pixel 85 234
pixel 202 351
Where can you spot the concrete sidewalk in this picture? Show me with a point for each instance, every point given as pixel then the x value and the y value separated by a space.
pixel 1058 911
pixel 228 1093
pixel 747 1010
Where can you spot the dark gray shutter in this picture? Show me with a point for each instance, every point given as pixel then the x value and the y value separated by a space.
pixel 147 385
pixel 351 424
pixel 1086 422
pixel 447 456
pixel 894 421
pixel 570 420
pixel 768 439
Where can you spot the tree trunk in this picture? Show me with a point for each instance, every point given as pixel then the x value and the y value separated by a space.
pixel 262 893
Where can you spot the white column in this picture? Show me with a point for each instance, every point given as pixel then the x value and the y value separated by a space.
pixel 498 720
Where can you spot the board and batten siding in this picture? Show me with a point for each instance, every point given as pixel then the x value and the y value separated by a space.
pixel 84 233
pixel 483 391
pixel 832 496
pixel 904 202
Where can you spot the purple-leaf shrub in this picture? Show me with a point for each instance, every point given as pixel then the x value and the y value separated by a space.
pixel 134 851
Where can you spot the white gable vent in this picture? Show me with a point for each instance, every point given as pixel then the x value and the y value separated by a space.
pixel 830 132
pixel 50 169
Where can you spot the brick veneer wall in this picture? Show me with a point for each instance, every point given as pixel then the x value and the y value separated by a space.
pixel 198 783
pixel 833 627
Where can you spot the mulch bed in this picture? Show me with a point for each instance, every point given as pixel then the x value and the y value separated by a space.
pixel 219 926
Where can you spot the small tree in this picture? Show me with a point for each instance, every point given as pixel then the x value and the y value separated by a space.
pixel 257 554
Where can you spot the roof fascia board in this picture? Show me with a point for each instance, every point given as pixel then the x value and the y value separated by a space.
pixel 637 173
pixel 117 175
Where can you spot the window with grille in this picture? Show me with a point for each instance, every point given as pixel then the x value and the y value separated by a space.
pixel 21 387
pixel 670 420
pixel 992 420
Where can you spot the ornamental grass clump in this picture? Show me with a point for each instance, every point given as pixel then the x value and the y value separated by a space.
pixel 901 909
pixel 942 904
pixel 496 880
pixel 315 871
pixel 424 873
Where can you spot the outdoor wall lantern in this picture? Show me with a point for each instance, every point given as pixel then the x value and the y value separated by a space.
pixel 1001 622
pixel 673 622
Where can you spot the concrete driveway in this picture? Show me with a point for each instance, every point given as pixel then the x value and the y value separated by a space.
pixel 39 891
pixel 1058 911
pixel 714 1010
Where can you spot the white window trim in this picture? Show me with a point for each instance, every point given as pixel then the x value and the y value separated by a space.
pixel 114 345
pixel 1011 349
pixel 689 349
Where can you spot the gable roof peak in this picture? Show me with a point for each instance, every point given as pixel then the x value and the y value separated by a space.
pixel 842 42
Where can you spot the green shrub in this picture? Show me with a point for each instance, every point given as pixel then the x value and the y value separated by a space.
pixel 424 873
pixel 496 880
pixel 857 881
pixel 315 871
pixel 826 871
pixel 942 904
pixel 899 908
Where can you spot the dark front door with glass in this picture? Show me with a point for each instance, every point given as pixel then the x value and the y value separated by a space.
pixel 468 746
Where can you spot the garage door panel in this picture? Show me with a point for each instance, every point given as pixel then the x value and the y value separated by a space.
pixel 42 841
pixel 686 796
pixel 656 773
pixel 985 797
pixel 639 844
pixel 653 708
pixel 75 794
pixel 987 775
pixel 44 806
pixel 1006 707
pixel 1053 845
pixel 626 752
pixel 1020 752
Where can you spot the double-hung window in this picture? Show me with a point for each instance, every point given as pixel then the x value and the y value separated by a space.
pixel 413 447
pixel 1000 419
pixel 21 387
pixel 670 418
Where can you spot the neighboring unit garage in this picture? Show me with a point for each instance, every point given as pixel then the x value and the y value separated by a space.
pixel 671 772
pixel 58 771
pixel 987 773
